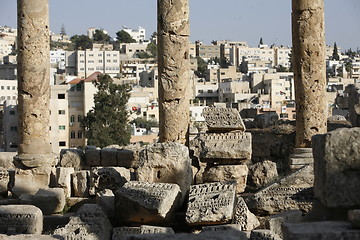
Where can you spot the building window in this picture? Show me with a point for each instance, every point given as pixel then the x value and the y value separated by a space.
pixel 12 112
pixel 13 87
pixel 62 127
pixel 8 87
pixel 61 96
pixel 62 144
pixel 72 134
pixel 13 129
pixel 2 87
pixel 72 118
pixel 80 134
pixel 61 112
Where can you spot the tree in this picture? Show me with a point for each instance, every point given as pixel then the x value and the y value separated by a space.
pixel 143 123
pixel 81 41
pixel 62 31
pixel 202 66
pixel 261 41
pixel 281 68
pixel 152 49
pixel 335 55
pixel 107 122
pixel 100 36
pixel 124 37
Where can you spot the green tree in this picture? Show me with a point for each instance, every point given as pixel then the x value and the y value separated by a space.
pixel 124 37
pixel 348 65
pixel 261 41
pixel 143 123
pixel 100 36
pixel 335 55
pixel 281 68
pixel 202 66
pixel 81 41
pixel 152 49
pixel 62 31
pixel 107 122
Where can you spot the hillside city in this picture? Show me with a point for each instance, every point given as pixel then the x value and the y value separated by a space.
pixel 254 80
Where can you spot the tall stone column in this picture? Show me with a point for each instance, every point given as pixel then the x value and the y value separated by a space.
pixel 34 148
pixel 174 66
pixel 308 36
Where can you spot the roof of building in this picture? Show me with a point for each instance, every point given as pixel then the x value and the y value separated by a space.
pixel 91 78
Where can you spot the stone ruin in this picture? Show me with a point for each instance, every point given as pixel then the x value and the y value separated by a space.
pixel 225 185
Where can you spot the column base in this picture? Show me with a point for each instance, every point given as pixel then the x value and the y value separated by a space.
pixel 36 160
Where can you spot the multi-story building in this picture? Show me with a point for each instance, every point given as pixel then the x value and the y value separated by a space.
pixel 207 52
pixel 131 49
pixel 8 90
pixel 137 34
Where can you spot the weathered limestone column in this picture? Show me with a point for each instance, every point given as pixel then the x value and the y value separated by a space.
pixel 174 65
pixel 308 36
pixel 34 148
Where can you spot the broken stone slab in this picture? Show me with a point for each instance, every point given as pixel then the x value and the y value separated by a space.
pixel 28 237
pixel 213 235
pixel 74 158
pixel 146 203
pixel 20 219
pixel 243 217
pixel 262 173
pixel 325 230
pixel 223 119
pixel 211 203
pixel 90 223
pixel 354 217
pixel 293 192
pixel 128 156
pixel 166 163
pixel 266 120
pixel 106 200
pixel 93 156
pixel 63 179
pixel 234 147
pixel 126 233
pixel 225 227
pixel 6 181
pixel 263 234
pixel 223 173
pixel 81 183
pixel 275 222
pixel 109 157
pixel 6 160
pixel 108 178
pixel 337 168
pixel 50 200
pixel 31 180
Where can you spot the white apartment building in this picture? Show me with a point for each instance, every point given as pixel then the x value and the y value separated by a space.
pixel 90 61
pixel 8 90
pixel 234 92
pixel 58 59
pixel 5 48
pixel 137 34
pixel 131 49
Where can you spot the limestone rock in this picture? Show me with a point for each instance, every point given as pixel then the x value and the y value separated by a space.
pixel 262 173
pixel 263 234
pixel 108 178
pixel 90 223
pixel 81 183
pixel 213 235
pixel 223 119
pixel 92 156
pixel 243 217
pixel 50 200
pixel 128 157
pixel 109 157
pixel 324 230
pixel 234 147
pixel 6 160
pixel 354 217
pixel 106 200
pixel 223 173
pixel 63 179
pixel 266 120
pixel 226 227
pixel 146 203
pixel 292 192
pixel 72 158
pixel 27 237
pixel 20 219
pixel 38 177
pixel 275 222
pixel 337 168
pixel 211 203
pixel 166 163
pixel 126 233
pixel 6 181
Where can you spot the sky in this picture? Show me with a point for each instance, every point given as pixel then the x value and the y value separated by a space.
pixel 235 20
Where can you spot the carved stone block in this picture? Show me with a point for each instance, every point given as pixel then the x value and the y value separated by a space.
pixel 20 219
pixel 128 157
pixel 106 199
pixel 108 178
pixel 109 157
pixel 292 192
pixel 224 119
pixel 72 158
pixel 125 233
pixel 63 179
pixel 211 203
pixel 51 200
pixel 92 157
pixel 90 223
pixel 243 217
pixel 81 183
pixel 263 234
pixel 4 181
pixel 146 203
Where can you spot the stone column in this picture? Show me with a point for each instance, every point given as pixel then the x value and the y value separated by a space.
pixel 33 67
pixel 174 66
pixel 308 53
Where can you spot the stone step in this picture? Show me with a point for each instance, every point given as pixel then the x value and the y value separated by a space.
pixel 302 155
pixel 301 161
pixel 297 166
pixel 302 150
